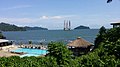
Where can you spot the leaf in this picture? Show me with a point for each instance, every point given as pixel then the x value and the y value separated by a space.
pixel 108 1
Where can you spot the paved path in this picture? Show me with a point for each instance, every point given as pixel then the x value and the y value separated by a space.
pixel 7 54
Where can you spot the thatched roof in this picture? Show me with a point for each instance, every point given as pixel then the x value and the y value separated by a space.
pixel 79 42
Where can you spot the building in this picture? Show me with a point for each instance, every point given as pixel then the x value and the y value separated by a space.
pixel 4 42
pixel 116 24
pixel 80 46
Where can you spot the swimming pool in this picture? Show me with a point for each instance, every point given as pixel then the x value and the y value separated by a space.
pixel 28 55
pixel 31 52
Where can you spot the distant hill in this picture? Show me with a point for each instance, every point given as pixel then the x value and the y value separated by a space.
pixel 81 27
pixel 35 28
pixel 10 27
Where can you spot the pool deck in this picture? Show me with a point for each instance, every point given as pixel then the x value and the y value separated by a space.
pixel 6 50
pixel 7 54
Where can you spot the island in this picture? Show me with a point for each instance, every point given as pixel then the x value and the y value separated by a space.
pixel 82 27
pixel 35 28
pixel 12 27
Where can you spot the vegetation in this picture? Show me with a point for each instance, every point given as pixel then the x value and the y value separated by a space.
pixel 100 37
pixel 1 36
pixel 82 27
pixel 9 27
pixel 30 42
pixel 60 52
pixel 35 28
pixel 105 54
pixel 108 1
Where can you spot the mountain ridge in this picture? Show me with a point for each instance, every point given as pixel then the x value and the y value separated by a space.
pixel 12 27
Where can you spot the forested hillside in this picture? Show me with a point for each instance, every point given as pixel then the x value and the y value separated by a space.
pixel 9 27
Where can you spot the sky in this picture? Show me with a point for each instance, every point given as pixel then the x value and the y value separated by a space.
pixel 52 13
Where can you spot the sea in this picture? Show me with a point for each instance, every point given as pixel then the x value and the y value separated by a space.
pixel 46 36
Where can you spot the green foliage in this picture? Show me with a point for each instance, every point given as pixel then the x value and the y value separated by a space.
pixel 108 1
pixel 60 52
pixel 1 36
pixel 113 48
pixel 30 42
pixel 107 54
pixel 81 27
pixel 8 27
pixel 35 28
pixel 28 62
pixel 110 48
pixel 100 37
pixel 113 34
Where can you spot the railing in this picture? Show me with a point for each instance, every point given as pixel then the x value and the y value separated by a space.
pixel 33 46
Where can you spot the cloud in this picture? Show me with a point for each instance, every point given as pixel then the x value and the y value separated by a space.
pixel 44 17
pixel 21 20
pixel 31 20
pixel 17 7
pixel 44 21
pixel 57 17
pixel 51 17
pixel 35 20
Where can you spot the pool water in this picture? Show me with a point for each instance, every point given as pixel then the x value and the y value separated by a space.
pixel 31 52
pixel 28 55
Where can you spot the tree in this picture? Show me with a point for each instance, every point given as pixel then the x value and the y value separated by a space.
pixel 1 36
pixel 108 1
pixel 100 37
pixel 113 34
pixel 30 42
pixel 113 48
pixel 60 52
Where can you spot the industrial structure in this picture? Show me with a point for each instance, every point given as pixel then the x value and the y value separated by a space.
pixel 67 25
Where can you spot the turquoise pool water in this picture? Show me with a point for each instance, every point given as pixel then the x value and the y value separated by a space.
pixel 28 55
pixel 31 52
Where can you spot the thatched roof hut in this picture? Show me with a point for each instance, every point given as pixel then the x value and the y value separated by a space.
pixel 80 46
pixel 79 42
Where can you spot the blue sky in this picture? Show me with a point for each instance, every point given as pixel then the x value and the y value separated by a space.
pixel 52 13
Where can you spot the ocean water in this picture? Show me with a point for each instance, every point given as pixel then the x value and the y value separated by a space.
pixel 46 36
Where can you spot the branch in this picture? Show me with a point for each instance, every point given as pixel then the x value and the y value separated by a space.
pixel 108 1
